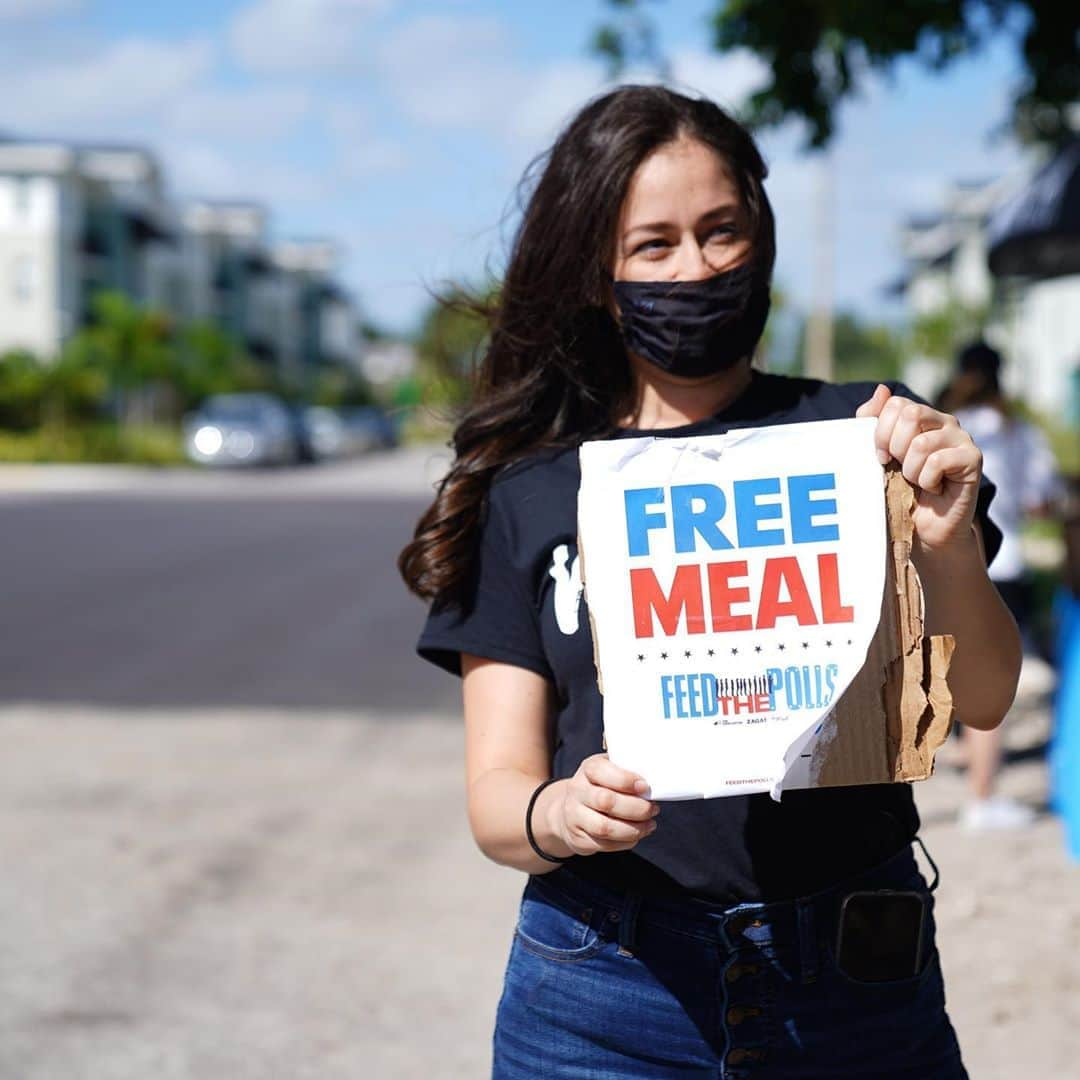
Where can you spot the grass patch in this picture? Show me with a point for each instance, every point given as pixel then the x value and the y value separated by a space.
pixel 100 443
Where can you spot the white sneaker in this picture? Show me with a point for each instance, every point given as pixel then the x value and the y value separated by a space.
pixel 997 812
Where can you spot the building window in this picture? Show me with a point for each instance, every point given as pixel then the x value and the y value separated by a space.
pixel 23 273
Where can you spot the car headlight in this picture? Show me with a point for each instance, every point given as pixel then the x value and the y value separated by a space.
pixel 208 440
pixel 242 444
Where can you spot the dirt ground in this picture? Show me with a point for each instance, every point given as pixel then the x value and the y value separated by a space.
pixel 250 894
pixel 1008 910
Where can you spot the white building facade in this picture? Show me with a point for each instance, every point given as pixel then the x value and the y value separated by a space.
pixel 74 220
pixel 1035 324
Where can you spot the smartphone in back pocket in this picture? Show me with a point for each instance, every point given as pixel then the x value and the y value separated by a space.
pixel 880 935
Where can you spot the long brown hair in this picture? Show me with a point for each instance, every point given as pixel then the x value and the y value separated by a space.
pixel 555 371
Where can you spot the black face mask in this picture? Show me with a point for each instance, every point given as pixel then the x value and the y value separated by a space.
pixel 694 328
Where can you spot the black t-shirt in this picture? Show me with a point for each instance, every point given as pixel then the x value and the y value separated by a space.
pixel 523 606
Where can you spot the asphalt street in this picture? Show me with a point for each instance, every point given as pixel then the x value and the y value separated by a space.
pixel 273 596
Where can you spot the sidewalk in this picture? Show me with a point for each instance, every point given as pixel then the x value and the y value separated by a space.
pixel 407 472
pixel 1008 912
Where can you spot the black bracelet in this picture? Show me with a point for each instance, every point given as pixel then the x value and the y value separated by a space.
pixel 528 825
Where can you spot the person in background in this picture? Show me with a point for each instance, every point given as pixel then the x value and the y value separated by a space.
pixel 1019 458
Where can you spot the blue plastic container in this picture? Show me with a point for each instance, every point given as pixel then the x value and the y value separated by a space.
pixel 1065 746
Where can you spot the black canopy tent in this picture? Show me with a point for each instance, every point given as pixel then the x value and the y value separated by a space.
pixel 1036 233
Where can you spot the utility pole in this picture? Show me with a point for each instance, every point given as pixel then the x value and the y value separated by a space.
pixel 818 355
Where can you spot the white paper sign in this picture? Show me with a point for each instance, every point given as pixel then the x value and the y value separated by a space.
pixel 734 583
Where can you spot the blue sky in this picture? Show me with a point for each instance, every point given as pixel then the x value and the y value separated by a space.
pixel 401 128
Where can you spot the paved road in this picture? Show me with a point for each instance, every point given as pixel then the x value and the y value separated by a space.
pixel 190 590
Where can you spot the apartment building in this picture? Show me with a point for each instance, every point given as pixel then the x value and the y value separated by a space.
pixel 72 220
pixel 75 219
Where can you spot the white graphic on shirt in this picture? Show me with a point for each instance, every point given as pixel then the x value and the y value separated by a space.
pixel 567 578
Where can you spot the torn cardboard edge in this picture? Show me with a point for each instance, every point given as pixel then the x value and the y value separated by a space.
pixel 898 709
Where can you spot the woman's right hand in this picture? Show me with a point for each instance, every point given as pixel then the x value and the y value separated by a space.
pixel 598 808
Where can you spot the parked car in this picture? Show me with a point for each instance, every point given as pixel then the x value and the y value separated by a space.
pixel 372 428
pixel 327 434
pixel 240 429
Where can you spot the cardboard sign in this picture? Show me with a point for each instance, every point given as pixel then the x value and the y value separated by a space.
pixel 737 585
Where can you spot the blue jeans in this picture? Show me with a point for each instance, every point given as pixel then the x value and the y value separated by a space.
pixel 602 985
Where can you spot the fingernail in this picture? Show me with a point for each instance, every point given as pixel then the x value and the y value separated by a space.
pixel 883 456
pixel 640 785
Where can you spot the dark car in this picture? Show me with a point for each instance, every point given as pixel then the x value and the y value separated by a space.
pixel 372 427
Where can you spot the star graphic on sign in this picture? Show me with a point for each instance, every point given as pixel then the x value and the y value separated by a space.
pixel 757 648
pixel 712 652
pixel 806 644
pixel 734 652
pixel 687 654
pixel 849 641
pixel 663 656
pixel 828 644
pixel 781 646
pixel 641 656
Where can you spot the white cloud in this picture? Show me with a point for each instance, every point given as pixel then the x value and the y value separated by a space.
pixel 727 78
pixel 348 121
pixel 452 71
pixel 257 114
pixel 373 157
pixel 554 93
pixel 302 35
pixel 36 9
pixel 132 78
pixel 551 97
pixel 360 153
pixel 197 169
pixel 465 72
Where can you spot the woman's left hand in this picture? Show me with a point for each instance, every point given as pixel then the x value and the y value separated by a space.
pixel 936 455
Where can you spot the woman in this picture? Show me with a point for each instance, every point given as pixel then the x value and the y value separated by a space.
pixel 699 939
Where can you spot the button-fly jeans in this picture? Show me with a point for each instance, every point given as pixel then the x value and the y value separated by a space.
pixel 603 985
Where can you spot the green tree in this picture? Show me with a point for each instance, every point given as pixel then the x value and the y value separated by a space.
pixel 73 391
pixel 22 390
pixel 35 393
pixel 865 351
pixel 340 388
pixel 939 334
pixel 130 345
pixel 205 360
pixel 450 343
pixel 820 52
pixel 862 351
